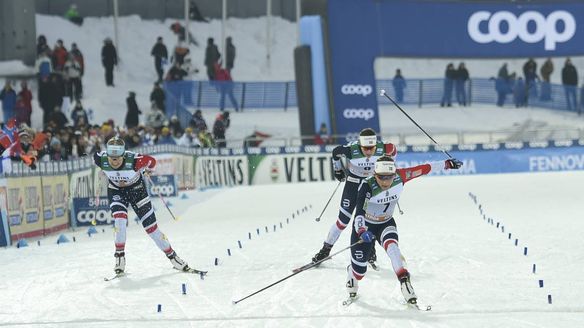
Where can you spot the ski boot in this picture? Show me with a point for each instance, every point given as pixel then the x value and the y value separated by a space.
pixel 407 289
pixel 352 287
pixel 177 262
pixel 323 253
pixel 120 262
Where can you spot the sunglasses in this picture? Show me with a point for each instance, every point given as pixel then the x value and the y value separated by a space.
pixel 368 147
pixel 385 177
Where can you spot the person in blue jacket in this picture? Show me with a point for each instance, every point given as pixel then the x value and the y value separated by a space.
pixel 8 98
pixel 399 84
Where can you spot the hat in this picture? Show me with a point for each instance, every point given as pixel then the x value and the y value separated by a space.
pixel 23 133
pixel 55 141
pixel 165 129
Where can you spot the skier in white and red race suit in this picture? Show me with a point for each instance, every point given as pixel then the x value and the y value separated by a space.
pixel 126 186
pixel 376 201
pixel 360 156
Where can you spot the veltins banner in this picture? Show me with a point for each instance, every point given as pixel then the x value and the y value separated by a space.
pixel 219 171
pixel 302 167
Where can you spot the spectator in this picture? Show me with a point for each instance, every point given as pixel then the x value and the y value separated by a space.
pixel 503 85
pixel 157 95
pixel 78 56
pixel 160 54
pixel 189 139
pixel 72 74
pixel 23 104
pixel 459 84
pixel 546 71
pixel 165 137
pixel 570 82
pixel 73 15
pixel 530 74
pixel 176 73
pixel 56 151
pixel 450 75
pixel 180 32
pixel 133 114
pixel 212 56
pixel 42 46
pixel 109 59
pixel 229 54
pixel 219 129
pixel 181 51
pixel 81 147
pixel 155 118
pixel 519 93
pixel 79 116
pixel 197 122
pixel 225 85
pixel 59 56
pixel 322 136
pixel 399 84
pixel 58 119
pixel 43 67
pixel 8 97
pixel 176 129
pixel 51 96
pixel 195 13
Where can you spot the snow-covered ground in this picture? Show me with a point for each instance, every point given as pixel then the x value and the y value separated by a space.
pixel 471 273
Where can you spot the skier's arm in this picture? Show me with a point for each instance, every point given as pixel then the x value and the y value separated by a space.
pixel 411 173
pixel 359 225
pixel 337 165
pixel 144 162
pixel 97 158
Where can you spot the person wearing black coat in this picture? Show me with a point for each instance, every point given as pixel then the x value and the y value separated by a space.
pixel 132 116
pixel 109 59
pixel 157 96
pixel 570 82
pixel 212 56
pixel 229 54
pixel 159 52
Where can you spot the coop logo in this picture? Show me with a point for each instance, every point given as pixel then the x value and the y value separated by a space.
pixel 357 89
pixel 162 189
pixel 359 113
pixel 545 27
pixel 90 215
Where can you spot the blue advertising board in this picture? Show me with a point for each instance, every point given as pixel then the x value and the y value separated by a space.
pixel 4 234
pixel 361 30
pixel 164 184
pixel 86 210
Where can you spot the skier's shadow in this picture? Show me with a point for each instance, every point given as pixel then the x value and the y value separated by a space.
pixel 130 282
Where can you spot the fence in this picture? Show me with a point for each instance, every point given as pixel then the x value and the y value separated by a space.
pixel 182 97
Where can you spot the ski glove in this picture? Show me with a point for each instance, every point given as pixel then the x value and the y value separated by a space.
pixel 367 236
pixel 452 163
pixel 340 175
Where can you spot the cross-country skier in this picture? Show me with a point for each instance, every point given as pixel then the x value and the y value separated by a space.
pixel 374 220
pixel 361 156
pixel 126 187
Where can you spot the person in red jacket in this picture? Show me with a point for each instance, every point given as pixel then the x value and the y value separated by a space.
pixel 126 187
pixel 59 56
pixel 225 84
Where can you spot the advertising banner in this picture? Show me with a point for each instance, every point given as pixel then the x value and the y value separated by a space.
pixel 25 207
pixel 163 184
pixel 86 209
pixel 55 203
pixel 220 171
pixel 291 168
pixel 4 232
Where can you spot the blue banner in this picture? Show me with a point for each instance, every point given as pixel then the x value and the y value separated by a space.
pixel 4 235
pixel 362 30
pixel 86 210
pixel 164 184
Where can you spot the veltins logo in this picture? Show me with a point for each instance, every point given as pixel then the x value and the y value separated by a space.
pixel 545 27
pixel 356 89
pixel 359 113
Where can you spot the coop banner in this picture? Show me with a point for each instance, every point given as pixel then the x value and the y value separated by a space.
pixel 24 207
pixel 163 184
pixel 55 208
pixel 221 171
pixel 91 210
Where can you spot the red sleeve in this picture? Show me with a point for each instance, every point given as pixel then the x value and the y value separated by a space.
pixel 143 161
pixel 410 173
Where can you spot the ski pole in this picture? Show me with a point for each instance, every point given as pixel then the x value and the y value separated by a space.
pixel 325 206
pixel 297 272
pixel 161 198
pixel 383 93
